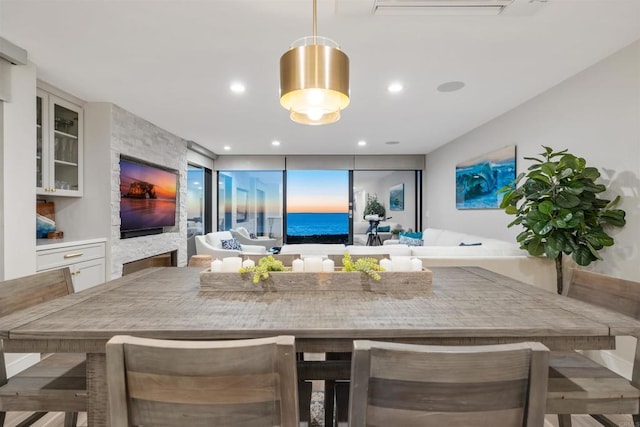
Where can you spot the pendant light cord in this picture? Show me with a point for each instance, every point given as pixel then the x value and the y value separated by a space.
pixel 315 22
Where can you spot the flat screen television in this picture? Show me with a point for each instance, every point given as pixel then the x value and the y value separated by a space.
pixel 147 198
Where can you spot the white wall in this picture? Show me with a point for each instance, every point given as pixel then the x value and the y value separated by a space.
pixel 379 183
pixel 594 114
pixel 407 217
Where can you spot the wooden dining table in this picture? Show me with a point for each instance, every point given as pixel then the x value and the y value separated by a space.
pixel 463 305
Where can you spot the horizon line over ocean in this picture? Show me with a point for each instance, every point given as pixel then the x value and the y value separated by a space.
pixel 317 223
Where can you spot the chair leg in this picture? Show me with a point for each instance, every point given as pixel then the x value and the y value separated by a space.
pixel 329 396
pixel 2 417
pixel 342 402
pixel 636 420
pixel 564 420
pixel 304 401
pixel 70 419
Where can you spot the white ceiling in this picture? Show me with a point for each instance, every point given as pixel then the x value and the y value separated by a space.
pixel 171 62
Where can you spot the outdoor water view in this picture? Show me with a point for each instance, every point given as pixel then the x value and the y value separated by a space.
pixel 308 206
pixel 317 206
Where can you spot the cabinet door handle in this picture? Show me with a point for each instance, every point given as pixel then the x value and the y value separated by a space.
pixel 77 254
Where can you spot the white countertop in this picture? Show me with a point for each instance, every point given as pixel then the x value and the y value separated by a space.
pixel 42 244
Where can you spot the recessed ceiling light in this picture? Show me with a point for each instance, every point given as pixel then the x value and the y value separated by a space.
pixel 392 142
pixel 275 143
pixel 395 87
pixel 237 87
pixel 362 143
pixel 227 147
pixel 450 86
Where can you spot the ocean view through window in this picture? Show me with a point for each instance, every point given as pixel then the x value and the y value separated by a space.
pixel 317 206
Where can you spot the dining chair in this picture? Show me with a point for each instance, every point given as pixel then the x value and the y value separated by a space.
pixel 579 385
pixel 423 385
pixel 58 381
pixel 249 382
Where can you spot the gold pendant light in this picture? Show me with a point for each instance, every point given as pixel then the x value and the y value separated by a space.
pixel 314 79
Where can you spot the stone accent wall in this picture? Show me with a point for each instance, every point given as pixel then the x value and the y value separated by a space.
pixel 136 137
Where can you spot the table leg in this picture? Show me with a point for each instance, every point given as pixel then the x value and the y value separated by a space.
pixel 98 409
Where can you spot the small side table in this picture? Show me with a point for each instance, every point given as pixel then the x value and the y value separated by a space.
pixel 200 261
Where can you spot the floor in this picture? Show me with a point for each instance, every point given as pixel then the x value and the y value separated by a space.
pixel 56 419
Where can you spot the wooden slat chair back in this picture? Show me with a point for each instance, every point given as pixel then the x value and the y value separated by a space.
pixel 57 382
pixel 577 384
pixel 421 385
pixel 250 383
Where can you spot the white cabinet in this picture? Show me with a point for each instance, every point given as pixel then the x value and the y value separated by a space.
pixel 59 129
pixel 85 261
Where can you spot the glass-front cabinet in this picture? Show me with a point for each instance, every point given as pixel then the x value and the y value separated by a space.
pixel 59 146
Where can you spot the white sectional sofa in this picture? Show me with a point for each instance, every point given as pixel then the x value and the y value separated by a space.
pixel 313 249
pixel 443 248
pixel 438 242
pixel 211 244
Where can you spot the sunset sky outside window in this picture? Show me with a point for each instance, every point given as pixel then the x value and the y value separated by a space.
pixel 317 191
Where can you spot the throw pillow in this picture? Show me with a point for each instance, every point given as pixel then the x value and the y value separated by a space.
pixel 409 241
pixel 384 228
pixel 416 235
pixel 232 244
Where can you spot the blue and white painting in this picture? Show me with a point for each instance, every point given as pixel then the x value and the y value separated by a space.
pixel 479 179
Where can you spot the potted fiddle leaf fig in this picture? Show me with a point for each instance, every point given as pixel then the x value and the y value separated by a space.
pixel 557 204
pixel 374 207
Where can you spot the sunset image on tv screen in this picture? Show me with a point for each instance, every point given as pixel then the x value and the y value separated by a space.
pixel 147 196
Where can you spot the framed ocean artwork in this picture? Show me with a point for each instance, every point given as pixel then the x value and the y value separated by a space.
pixel 396 197
pixel 479 179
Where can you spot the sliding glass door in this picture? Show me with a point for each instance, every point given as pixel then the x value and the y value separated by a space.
pixel 199 201
pixel 317 206
pixel 252 200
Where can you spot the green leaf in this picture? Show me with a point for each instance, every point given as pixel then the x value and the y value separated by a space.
pixel 558 223
pixel 567 200
pixel 535 247
pixel 593 251
pixel 511 210
pixel 536 216
pixel 575 187
pixel 549 168
pixel 565 214
pixel 556 154
pixel 522 236
pixel 592 187
pixel 568 161
pixel 551 252
pixel 516 221
pixel 534 159
pixel 546 207
pixel 615 217
pixel 555 241
pixel 613 203
pixel 590 173
pixel 538 176
pixel 566 173
pixel 542 228
pixel 582 256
